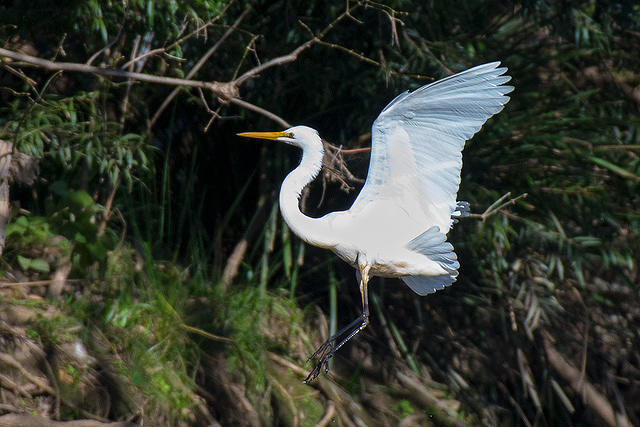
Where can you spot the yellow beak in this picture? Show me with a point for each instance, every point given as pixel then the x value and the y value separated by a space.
pixel 264 135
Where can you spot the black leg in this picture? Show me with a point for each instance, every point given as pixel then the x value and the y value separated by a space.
pixel 325 352
pixel 330 343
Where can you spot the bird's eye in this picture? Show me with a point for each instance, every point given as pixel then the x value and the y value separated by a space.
pixel 289 135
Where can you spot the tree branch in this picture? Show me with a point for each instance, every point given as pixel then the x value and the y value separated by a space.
pixel 293 55
pixel 259 110
pixel 497 206
pixel 226 91
pixel 219 88
pixel 180 41
pixel 199 65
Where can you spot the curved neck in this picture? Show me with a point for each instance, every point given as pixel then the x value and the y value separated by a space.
pixel 315 231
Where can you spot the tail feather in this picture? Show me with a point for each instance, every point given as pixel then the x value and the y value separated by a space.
pixel 423 285
pixel 432 244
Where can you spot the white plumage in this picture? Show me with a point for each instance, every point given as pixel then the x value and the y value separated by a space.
pixel 397 225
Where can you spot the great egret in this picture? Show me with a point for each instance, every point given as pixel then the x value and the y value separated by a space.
pixel 397 225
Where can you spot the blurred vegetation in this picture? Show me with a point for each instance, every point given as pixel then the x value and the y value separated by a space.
pixel 147 276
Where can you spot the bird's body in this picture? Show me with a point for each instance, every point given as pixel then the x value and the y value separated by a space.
pixel 348 233
pixel 397 225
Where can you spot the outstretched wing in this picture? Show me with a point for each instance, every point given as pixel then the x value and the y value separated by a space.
pixel 417 143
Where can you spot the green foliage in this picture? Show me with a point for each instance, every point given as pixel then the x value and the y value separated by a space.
pixel 73 132
pixel 27 238
pixel 69 231
pixel 77 217
pixel 167 18
pixel 37 264
pixel 171 269
pixel 404 408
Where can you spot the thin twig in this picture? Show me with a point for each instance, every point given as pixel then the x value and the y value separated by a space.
pixel 287 397
pixel 35 283
pixel 141 57
pixel 515 404
pixel 356 150
pixel 179 41
pixel 360 56
pixel 227 91
pixel 199 65
pixel 293 55
pixel 111 43
pixel 20 74
pixel 7 382
pixel 206 334
pixel 266 113
pixel 7 359
pixel 219 88
pixel 106 214
pixel 328 416
pixel 244 55
pixel 497 206
pixel 284 362
pixel 214 114
pixel 125 101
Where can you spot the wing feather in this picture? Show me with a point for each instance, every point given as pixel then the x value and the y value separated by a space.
pixel 417 145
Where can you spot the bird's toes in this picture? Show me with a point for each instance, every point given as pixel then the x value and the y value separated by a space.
pixel 326 363
pixel 325 348
pixel 325 352
pixel 313 374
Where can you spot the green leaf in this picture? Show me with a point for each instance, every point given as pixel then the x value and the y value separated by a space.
pixel 18 227
pixel 24 262
pixel 613 168
pixel 98 250
pixel 40 265
pixel 81 199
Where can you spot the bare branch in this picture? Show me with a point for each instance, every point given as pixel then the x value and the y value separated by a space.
pixel 217 87
pixel 107 47
pixel 180 41
pixel 199 65
pixel 497 206
pixel 20 74
pixel 8 360
pixel 328 416
pixel 356 150
pixel 37 283
pixel 259 110
pixel 214 114
pixel 125 101
pixel 141 57
pixel 276 61
pixel 247 49
pixel 293 55
pixel 225 91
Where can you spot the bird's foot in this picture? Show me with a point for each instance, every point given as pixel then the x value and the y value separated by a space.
pixel 323 353
pixel 326 351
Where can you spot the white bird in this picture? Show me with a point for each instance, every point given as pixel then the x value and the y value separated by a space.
pixel 398 224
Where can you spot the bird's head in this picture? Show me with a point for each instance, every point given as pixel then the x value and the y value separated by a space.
pixel 300 136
